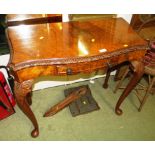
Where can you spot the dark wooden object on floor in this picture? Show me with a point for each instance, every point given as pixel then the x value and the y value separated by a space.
pixel 68 100
pixel 68 49
pixel 84 104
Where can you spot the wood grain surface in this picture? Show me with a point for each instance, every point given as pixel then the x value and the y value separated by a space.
pixel 52 48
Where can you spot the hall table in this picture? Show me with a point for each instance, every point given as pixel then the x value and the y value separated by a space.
pixel 69 48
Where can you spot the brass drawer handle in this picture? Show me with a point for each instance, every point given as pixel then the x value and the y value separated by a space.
pixel 69 71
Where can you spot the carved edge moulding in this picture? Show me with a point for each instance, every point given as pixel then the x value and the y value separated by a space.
pixel 58 61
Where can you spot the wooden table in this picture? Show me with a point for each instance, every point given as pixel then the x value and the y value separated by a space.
pixel 70 48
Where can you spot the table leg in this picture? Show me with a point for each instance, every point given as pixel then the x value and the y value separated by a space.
pixel 138 68
pixel 105 84
pixel 116 78
pixel 110 69
pixel 21 90
pixel 29 98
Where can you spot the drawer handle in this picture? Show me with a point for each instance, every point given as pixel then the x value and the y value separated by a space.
pixel 69 71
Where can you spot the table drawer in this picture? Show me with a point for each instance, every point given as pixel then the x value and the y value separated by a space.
pixel 71 69
pixel 87 67
pixel 34 72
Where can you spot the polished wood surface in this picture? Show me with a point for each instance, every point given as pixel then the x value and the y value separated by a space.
pixel 18 19
pixel 64 45
pixel 70 48
pixel 70 39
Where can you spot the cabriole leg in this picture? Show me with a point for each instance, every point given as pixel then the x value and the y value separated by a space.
pixel 21 90
pixel 138 73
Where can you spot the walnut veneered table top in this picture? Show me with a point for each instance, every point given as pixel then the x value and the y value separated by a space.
pixel 70 39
